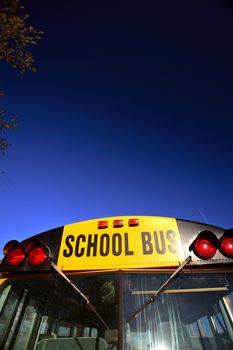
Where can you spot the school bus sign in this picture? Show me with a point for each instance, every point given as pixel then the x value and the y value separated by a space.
pixel 154 242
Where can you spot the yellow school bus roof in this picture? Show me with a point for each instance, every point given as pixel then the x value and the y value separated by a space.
pixel 125 242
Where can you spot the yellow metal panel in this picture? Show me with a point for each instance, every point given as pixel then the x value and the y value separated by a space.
pixel 155 242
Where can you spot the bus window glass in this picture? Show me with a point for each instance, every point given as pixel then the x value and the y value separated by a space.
pixel 8 313
pixel 228 301
pixel 64 330
pixel 204 326
pixel 44 325
pixel 26 325
pixel 4 296
pixel 219 323
pixel 190 314
pixel 38 310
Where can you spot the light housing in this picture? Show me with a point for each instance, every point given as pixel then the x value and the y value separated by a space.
pixel 205 245
pixel 226 243
pixel 34 251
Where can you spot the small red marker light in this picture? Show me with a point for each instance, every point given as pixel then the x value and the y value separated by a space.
pixel 133 222
pixel 38 256
pixel 30 245
pixel 118 223
pixel 102 224
pixel 205 245
pixel 226 244
pixel 10 245
pixel 16 256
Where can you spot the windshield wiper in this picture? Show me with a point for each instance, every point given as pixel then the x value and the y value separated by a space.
pixel 161 289
pixel 54 266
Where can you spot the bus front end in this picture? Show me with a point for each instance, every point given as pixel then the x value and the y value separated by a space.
pixel 132 283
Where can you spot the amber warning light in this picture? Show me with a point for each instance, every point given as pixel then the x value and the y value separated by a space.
pixel 118 223
pixel 206 245
pixel 35 252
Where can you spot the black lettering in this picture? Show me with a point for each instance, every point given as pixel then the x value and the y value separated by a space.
pixel 162 249
pixel 104 244
pixel 92 245
pixel 127 251
pixel 147 247
pixel 170 235
pixel 68 252
pixel 79 252
pixel 116 244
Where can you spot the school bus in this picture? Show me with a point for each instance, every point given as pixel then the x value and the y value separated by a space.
pixel 130 282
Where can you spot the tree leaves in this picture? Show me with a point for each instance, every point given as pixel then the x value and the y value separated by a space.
pixel 15 37
pixel 4 126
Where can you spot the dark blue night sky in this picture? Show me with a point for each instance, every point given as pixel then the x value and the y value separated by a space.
pixel 130 112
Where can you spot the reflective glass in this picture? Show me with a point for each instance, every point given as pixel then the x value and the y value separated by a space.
pixel 47 313
pixel 194 313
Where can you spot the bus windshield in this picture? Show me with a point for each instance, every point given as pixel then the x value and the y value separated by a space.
pixel 46 313
pixel 34 312
pixel 194 313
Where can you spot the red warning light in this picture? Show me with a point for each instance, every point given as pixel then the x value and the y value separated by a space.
pixel 205 245
pixel 38 256
pixel 9 246
pixel 133 222
pixel 102 224
pixel 226 244
pixel 118 223
pixel 16 256
pixel 31 244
